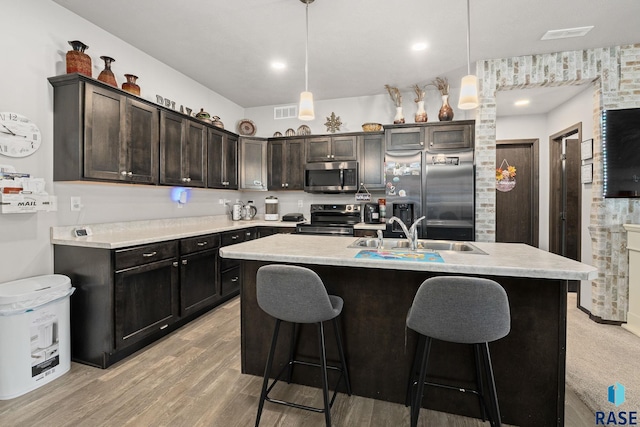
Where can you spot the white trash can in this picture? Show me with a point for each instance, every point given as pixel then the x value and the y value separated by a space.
pixel 35 336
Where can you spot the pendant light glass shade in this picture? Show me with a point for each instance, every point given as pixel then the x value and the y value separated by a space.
pixel 469 84
pixel 468 93
pixel 305 110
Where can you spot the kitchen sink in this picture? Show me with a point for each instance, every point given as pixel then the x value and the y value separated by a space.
pixel 424 245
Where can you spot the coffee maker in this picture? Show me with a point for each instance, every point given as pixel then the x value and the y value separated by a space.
pixel 404 211
pixel 371 213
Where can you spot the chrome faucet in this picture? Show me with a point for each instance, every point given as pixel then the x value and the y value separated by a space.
pixel 411 232
pixel 380 239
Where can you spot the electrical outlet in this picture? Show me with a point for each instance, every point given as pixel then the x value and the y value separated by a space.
pixel 76 203
pixel 299 203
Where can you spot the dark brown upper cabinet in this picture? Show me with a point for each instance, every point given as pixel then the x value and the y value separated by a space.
pixel 286 164
pixel 331 148
pixel 183 148
pixel 222 161
pixel 102 134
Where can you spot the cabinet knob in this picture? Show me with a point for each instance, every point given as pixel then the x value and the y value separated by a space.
pixel 282 185
pixel 422 143
pixel 328 156
pixel 188 179
pixel 333 156
pixel 150 254
pixel 184 262
pixel 286 185
pixel 431 144
pixel 201 243
pixel 234 237
pixel 175 263
pixel 184 179
pixel 235 279
pixel 123 173
pixel 129 173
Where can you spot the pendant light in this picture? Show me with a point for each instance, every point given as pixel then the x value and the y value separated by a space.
pixel 305 110
pixel 469 85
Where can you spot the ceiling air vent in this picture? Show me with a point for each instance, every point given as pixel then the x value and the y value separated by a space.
pixel 566 33
pixel 286 112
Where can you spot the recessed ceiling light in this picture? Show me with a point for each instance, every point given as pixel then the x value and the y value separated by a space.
pixel 419 46
pixel 521 102
pixel 277 65
pixel 566 33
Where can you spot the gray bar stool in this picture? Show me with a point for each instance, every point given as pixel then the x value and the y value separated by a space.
pixel 297 295
pixel 466 310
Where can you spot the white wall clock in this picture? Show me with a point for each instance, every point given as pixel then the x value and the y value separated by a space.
pixel 19 136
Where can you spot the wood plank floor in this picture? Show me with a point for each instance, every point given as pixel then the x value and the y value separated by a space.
pixel 192 378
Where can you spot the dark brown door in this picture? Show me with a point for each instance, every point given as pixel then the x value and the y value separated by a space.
pixel 565 205
pixel 517 210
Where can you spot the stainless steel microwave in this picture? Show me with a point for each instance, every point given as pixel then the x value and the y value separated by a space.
pixel 331 177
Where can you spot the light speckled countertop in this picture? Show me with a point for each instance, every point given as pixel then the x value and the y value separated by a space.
pixel 502 259
pixel 123 234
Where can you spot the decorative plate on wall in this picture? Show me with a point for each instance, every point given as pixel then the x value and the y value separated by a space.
pixel 277 134
pixel 246 127
pixel 304 130
pixel 290 132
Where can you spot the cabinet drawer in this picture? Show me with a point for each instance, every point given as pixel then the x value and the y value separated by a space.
pixel 139 255
pixel 232 237
pixel 227 263
pixel 230 281
pixel 199 243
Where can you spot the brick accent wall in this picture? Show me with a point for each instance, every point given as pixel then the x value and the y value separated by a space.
pixel 615 75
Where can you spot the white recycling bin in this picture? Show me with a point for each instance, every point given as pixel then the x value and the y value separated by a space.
pixel 35 336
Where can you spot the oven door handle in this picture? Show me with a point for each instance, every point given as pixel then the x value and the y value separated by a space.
pixel 342 179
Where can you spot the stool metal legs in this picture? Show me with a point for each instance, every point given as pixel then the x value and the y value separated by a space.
pixel 323 365
pixel 417 381
pixel 267 371
pixel 266 388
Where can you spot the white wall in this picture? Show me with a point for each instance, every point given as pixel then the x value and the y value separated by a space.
pixel 578 109
pixel 35 35
pixel 353 112
pixel 532 127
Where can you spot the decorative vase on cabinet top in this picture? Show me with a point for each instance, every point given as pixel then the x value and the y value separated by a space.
pixel 446 112
pixel 130 85
pixel 421 114
pixel 106 75
pixel 77 60
pixel 216 122
pixel 399 117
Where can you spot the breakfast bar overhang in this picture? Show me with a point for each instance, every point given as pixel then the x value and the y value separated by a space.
pixel 529 363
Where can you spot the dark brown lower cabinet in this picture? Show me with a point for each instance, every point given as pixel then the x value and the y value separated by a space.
pixel 127 298
pixel 230 281
pixel 146 301
pixel 199 273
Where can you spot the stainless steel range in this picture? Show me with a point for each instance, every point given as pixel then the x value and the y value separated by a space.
pixel 331 219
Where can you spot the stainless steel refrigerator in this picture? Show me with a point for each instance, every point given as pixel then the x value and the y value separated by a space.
pixel 438 185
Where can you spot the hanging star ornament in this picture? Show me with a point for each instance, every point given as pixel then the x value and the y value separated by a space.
pixel 333 123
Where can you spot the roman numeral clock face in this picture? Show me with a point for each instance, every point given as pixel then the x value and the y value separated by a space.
pixel 19 136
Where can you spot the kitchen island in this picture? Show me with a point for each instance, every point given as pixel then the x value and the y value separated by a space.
pixel 529 363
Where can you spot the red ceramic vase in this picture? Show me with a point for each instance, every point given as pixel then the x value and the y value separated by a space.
pixel 77 60
pixel 130 85
pixel 106 75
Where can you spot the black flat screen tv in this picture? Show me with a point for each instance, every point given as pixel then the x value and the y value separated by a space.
pixel 621 152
